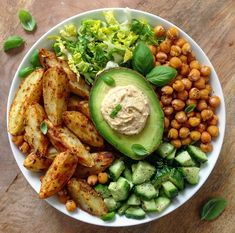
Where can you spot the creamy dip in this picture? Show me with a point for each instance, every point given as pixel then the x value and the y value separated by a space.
pixel 134 112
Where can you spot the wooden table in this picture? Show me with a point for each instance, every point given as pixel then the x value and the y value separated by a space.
pixel 211 24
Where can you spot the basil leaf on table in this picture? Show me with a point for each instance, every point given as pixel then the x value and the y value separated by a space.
pixel 142 60
pixel 213 208
pixel 27 20
pixel 190 108
pixel 12 42
pixel 161 75
pixel 139 149
pixel 24 72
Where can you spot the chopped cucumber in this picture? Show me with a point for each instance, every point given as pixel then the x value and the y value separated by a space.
pixel 170 190
pixel 162 193
pixel 177 179
pixel 197 153
pixel 111 203
pixel 109 216
pixel 165 149
pixel 102 190
pixel 149 206
pixel 128 174
pixel 116 169
pixel 171 156
pixel 143 172
pixel 162 203
pixel 184 159
pixel 135 212
pixel 161 176
pixel 133 167
pixel 123 208
pixel 191 174
pixel 146 191
pixel 133 200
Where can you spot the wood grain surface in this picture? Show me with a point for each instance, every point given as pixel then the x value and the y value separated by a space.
pixel 211 24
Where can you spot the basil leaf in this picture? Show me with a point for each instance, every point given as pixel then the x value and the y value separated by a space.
pixel 27 20
pixel 161 75
pixel 190 108
pixel 34 59
pixel 213 208
pixel 142 60
pixel 24 72
pixel 43 128
pixel 12 42
pixel 115 111
pixel 139 149
pixel 108 80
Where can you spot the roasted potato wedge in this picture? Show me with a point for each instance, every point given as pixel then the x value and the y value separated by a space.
pixel 55 94
pixel 63 139
pixel 36 163
pixel 75 104
pixel 29 91
pixel 48 59
pixel 83 128
pixel 58 174
pixel 102 161
pixel 86 197
pixel 36 139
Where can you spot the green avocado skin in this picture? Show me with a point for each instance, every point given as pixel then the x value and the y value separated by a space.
pixel 151 136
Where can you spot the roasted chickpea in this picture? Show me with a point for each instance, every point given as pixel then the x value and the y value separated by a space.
pixel 194 121
pixel 63 196
pixel 165 46
pixel 195 65
pixel 168 110
pixel 166 122
pixel 201 105
pixel 186 141
pixel 187 83
pixel 92 180
pixel 71 205
pixel 195 135
pixel 161 57
pixel 206 79
pixel 201 128
pixel 178 77
pixel 186 48
pixel 178 104
pixel 194 93
pixel 103 177
pixel 180 42
pixel 166 99
pixel 191 57
pixel 181 117
pixel 183 58
pixel 157 63
pixel 153 49
pixel 206 114
pixel 204 94
pixel 194 75
pixel 206 147
pixel 191 101
pixel 198 115
pixel 24 148
pixel 184 132
pixel 200 83
pixel 176 143
pixel 178 85
pixel 175 124
pixel 213 130
pixel 175 62
pixel 175 51
pixel 159 30
pixel 167 90
pixel 182 95
pixel 205 137
pixel 205 70
pixel 209 88
pixel 213 120
pixel 172 33
pixel 214 101
pixel 191 114
pixel 18 140
pixel 184 69
pixel 173 133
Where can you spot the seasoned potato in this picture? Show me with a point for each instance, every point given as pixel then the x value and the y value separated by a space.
pixel 102 161
pixel 47 59
pixel 79 88
pixel 36 139
pixel 51 153
pixel 36 163
pixel 29 91
pixel 63 139
pixel 75 104
pixel 86 197
pixel 83 128
pixel 58 174
pixel 55 94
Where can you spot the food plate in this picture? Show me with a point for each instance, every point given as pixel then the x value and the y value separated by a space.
pixel 123 14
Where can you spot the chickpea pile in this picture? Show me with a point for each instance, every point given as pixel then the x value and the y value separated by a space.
pixel 190 87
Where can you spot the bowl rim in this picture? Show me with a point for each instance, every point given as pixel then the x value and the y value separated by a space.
pixel 185 35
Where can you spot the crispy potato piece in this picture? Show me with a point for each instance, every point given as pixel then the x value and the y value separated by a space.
pixel 29 91
pixel 47 58
pixel 36 163
pixel 75 104
pixel 36 139
pixel 18 140
pixel 102 161
pixel 51 153
pixel 58 174
pixel 63 139
pixel 86 197
pixel 83 128
pixel 55 94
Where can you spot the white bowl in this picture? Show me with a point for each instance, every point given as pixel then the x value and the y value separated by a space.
pixel 206 169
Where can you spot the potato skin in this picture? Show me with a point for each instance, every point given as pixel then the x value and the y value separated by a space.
pixel 83 128
pixel 55 94
pixel 75 104
pixel 36 163
pixel 86 197
pixel 102 161
pixel 36 139
pixel 29 91
pixel 58 174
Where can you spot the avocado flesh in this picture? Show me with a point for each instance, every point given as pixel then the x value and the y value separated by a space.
pixel 150 137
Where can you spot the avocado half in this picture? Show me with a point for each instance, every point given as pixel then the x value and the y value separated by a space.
pixel 151 136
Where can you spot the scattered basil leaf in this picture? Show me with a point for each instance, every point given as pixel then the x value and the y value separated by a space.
pixel 161 75
pixel 142 60
pixel 43 128
pixel 115 111
pixel 24 72
pixel 139 149
pixel 213 208
pixel 108 80
pixel 12 42
pixel 34 59
pixel 190 108
pixel 27 20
